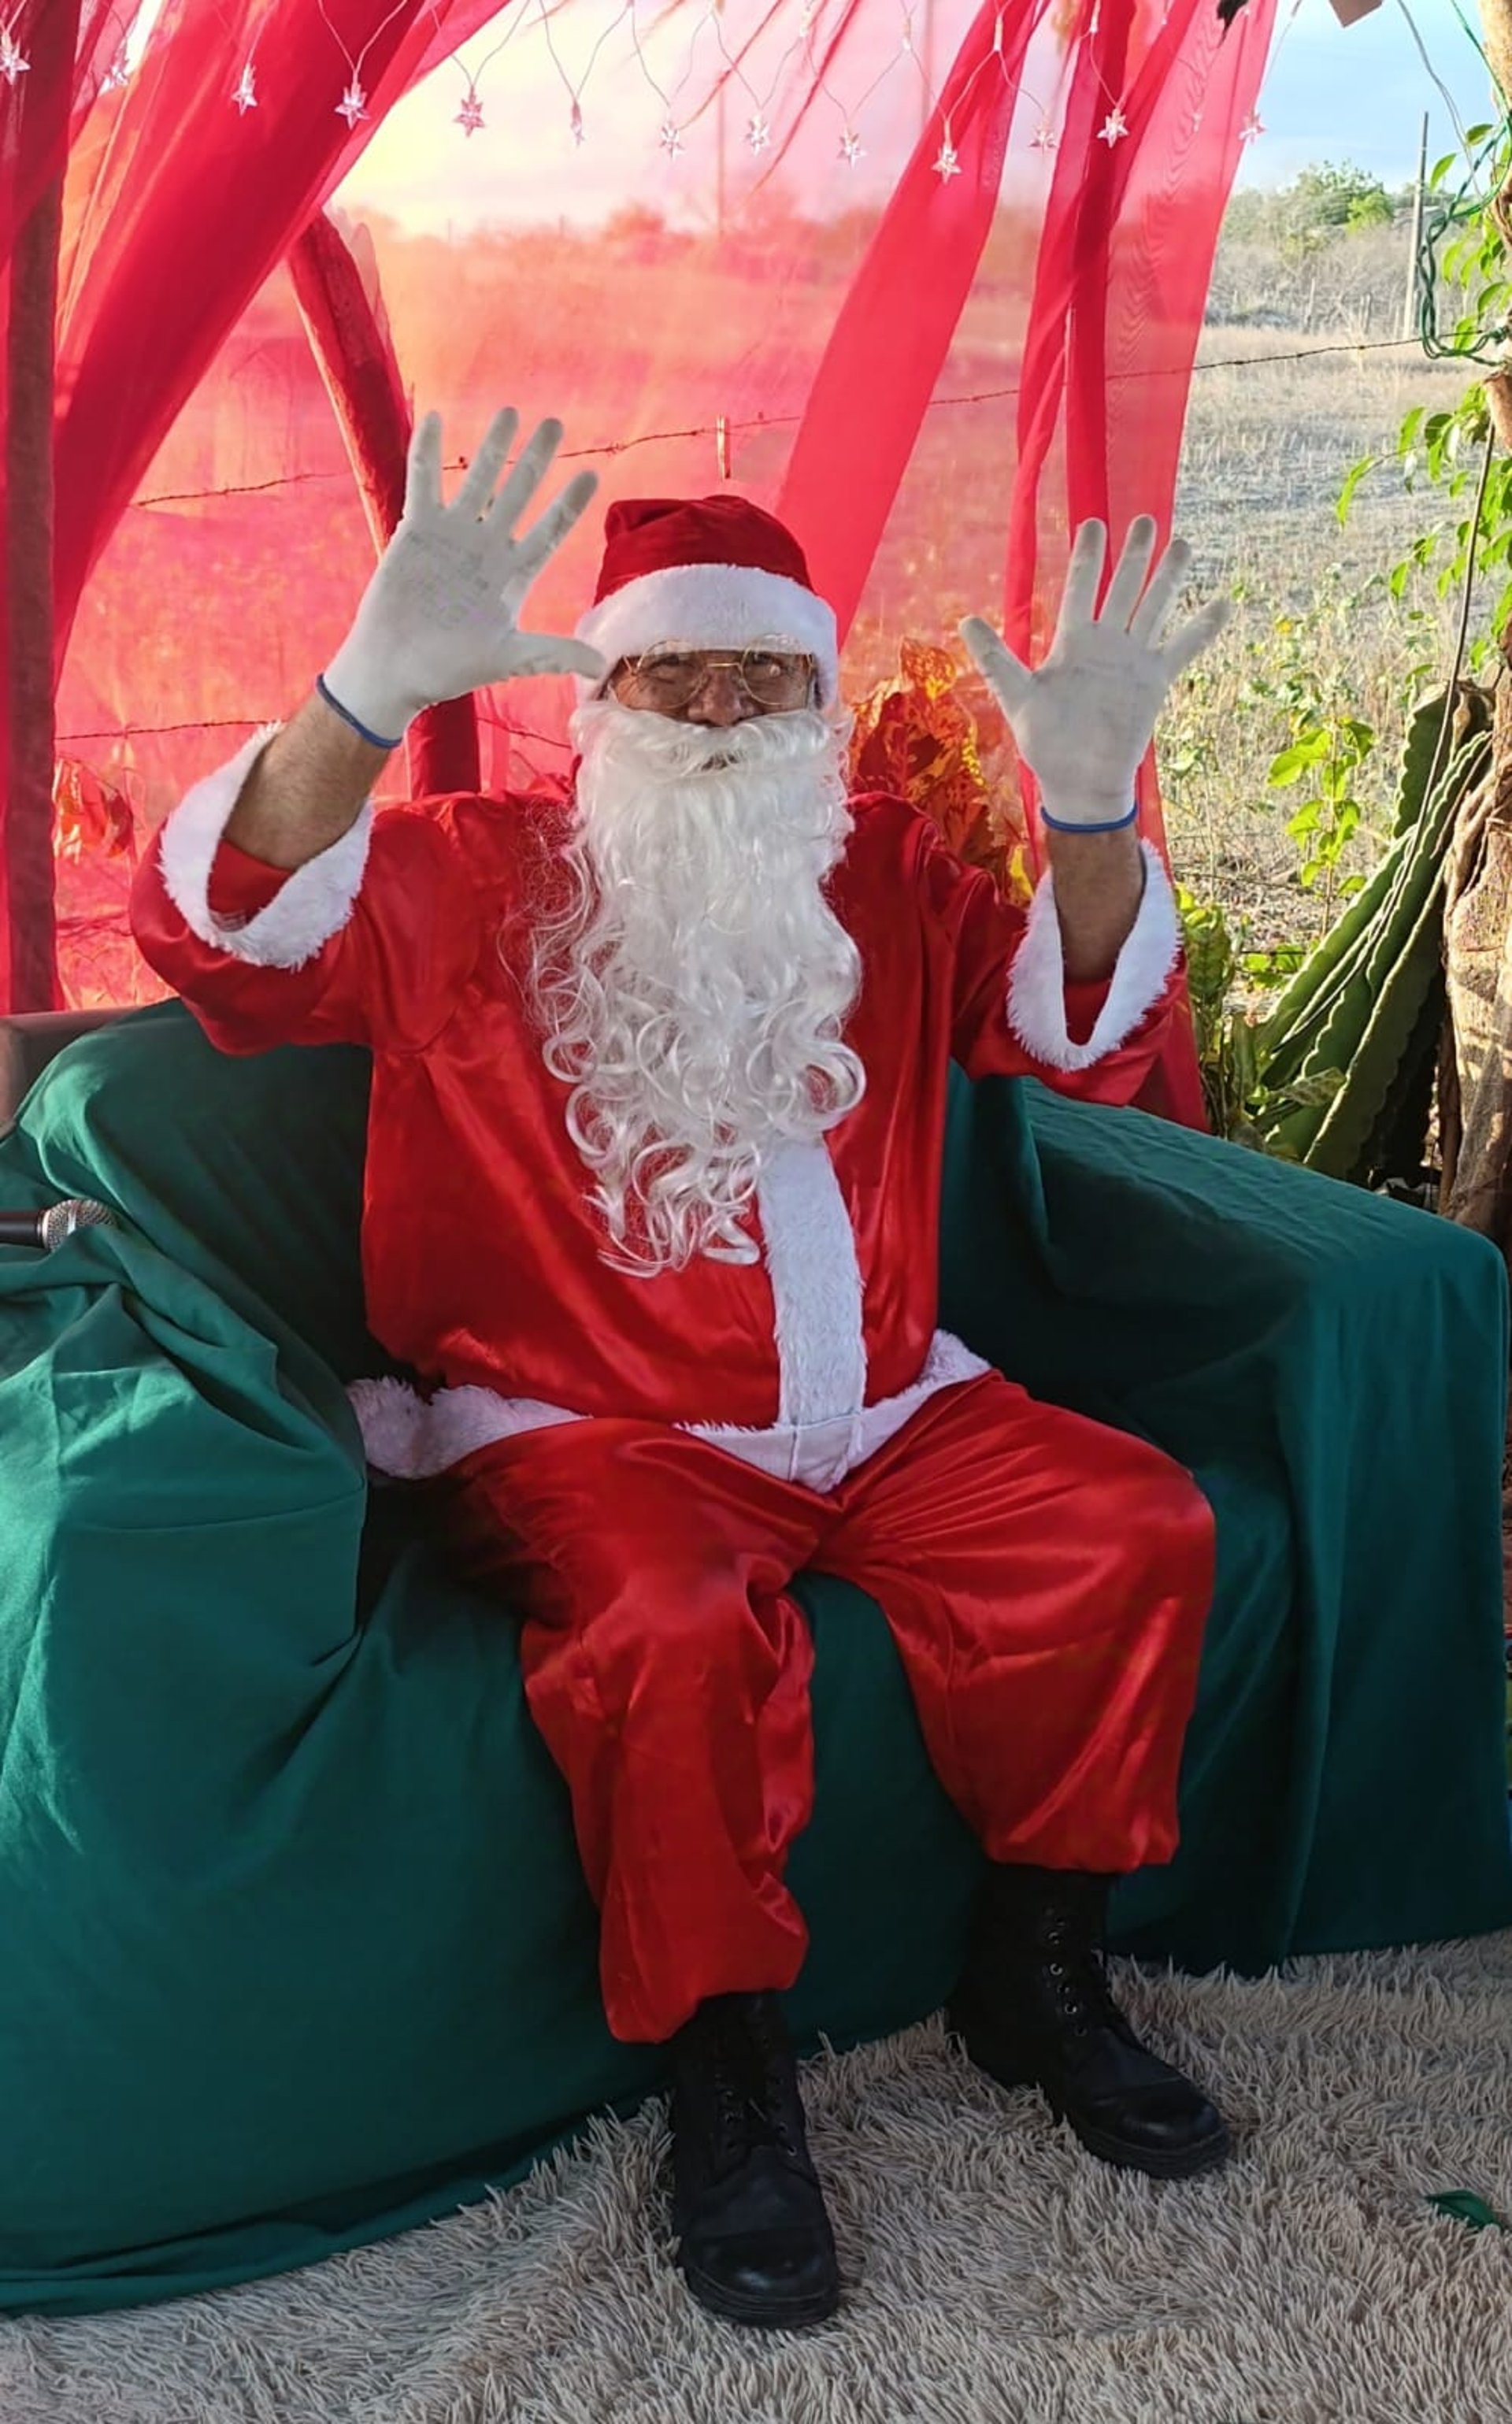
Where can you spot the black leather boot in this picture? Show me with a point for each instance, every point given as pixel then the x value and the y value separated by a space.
pixel 754 2242
pixel 1034 2008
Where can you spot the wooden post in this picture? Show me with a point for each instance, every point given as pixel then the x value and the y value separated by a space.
pixel 30 897
pixel 1476 1089
pixel 721 138
pixel 1409 301
pixel 356 363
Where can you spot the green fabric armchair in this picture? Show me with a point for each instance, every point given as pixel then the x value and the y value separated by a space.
pixel 297 1949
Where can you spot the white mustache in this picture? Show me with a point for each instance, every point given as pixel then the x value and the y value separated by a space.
pixel 663 748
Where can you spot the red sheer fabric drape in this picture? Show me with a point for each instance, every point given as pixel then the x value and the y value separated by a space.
pixel 52 56
pixel 171 229
pixel 980 334
pixel 1108 329
pixel 1125 261
pixel 174 225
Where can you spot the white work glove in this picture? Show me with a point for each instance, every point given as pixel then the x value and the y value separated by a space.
pixel 1085 718
pixel 440 616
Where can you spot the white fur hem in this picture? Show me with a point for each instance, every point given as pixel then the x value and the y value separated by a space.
pixel 714 606
pixel 313 904
pixel 1037 986
pixel 413 1437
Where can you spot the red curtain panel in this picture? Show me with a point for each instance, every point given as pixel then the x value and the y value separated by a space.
pixel 929 279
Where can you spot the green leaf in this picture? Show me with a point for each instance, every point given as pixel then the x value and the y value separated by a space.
pixel 1351 481
pixel 1294 762
pixel 1463 2205
pixel 1268 968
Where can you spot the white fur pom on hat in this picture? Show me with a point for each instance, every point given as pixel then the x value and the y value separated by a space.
pixel 714 572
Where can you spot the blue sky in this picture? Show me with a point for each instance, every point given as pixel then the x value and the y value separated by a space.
pixel 1358 92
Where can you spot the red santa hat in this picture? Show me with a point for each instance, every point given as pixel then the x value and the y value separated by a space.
pixel 712 573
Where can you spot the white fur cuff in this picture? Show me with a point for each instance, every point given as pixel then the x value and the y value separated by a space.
pixel 314 904
pixel 1037 986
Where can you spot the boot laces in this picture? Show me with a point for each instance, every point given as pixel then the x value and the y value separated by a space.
pixel 1078 1979
pixel 752 2093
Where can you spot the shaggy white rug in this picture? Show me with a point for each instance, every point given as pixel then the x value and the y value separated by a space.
pixel 995 2274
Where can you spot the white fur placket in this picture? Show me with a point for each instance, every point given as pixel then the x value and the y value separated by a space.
pixel 811 1259
pixel 313 903
pixel 1037 988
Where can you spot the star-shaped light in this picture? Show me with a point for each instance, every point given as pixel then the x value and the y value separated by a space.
pixel 948 163
pixel 1113 128
pixel 470 117
pixel 850 150
pixel 353 105
pixel 1045 137
pixel 671 139
pixel 759 134
pixel 1252 128
pixel 13 62
pixel 244 95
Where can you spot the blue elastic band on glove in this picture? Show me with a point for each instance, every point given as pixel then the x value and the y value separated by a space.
pixel 1117 824
pixel 376 740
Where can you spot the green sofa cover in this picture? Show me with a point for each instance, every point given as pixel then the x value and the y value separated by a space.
pixel 296 1951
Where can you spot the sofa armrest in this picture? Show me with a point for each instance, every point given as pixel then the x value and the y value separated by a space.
pixel 1332 1367
pixel 1122 1264
pixel 29 1040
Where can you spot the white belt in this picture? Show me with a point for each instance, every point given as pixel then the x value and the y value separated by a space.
pixel 413 1437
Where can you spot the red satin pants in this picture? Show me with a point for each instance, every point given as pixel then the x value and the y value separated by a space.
pixel 1045 1581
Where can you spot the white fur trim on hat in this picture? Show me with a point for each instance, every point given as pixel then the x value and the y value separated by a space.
pixel 1037 988
pixel 314 904
pixel 715 606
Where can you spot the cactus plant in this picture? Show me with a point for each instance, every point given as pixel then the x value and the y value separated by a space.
pixel 1367 1003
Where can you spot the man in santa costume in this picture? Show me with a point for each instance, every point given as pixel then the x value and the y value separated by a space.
pixel 652 1193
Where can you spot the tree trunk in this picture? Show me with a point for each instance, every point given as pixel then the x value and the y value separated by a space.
pixel 1476 1091
pixel 1476 1105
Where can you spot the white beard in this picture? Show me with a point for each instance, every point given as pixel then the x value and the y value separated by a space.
pixel 695 993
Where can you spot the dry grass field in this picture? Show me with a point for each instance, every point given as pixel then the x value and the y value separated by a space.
pixel 1268 441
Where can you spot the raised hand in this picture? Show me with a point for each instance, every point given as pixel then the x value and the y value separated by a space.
pixel 440 616
pixel 1084 719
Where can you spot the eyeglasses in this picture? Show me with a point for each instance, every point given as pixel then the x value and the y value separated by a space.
pixel 671 679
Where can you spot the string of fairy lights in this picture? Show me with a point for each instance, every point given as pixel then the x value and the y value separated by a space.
pixel 796 67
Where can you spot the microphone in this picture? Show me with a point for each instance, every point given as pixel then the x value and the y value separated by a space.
pixel 49 1228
